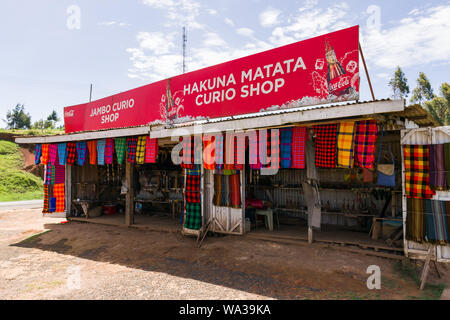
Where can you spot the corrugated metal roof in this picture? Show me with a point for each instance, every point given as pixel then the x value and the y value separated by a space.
pixel 419 115
pixel 274 112
pixel 237 117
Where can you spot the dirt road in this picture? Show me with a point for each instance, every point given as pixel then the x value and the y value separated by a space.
pixel 86 261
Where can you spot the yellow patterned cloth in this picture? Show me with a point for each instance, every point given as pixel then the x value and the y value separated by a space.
pixel 140 149
pixel 345 138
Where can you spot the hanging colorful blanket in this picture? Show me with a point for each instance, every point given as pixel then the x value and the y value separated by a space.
pixel 285 147
pixel 417 177
pixel 71 153
pixel 345 138
pixel 299 136
pixel 151 150
pixel 193 216
pixel 101 146
pixel 37 153
pixel 437 167
pixel 325 145
pixel 109 151
pixel 62 153
pixel 365 139
pixel 81 153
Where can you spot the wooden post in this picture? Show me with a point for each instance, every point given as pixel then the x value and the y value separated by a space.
pixel 310 235
pixel 426 268
pixel 367 71
pixel 129 199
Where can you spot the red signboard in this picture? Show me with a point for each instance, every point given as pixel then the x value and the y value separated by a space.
pixel 320 70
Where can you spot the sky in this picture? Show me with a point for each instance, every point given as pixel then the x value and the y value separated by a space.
pixel 52 50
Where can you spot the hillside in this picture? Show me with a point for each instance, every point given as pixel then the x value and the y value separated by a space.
pixel 16 184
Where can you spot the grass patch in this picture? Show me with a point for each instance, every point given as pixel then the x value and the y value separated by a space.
pixel 34 237
pixel 15 184
pixel 408 272
pixel 33 132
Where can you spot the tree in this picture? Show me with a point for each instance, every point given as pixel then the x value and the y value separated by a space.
pixel 439 107
pixel 423 91
pixel 17 118
pixel 399 84
pixel 43 124
pixel 53 116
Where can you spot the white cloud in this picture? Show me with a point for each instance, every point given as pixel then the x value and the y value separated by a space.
pixel 212 39
pixel 419 39
pixel 157 42
pixel 308 22
pixel 212 12
pixel 178 12
pixel 229 22
pixel 112 23
pixel 269 17
pixel 246 32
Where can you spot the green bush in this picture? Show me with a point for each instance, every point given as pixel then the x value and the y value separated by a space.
pixel 16 184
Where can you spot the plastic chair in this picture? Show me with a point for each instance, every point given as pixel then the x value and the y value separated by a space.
pixel 268 214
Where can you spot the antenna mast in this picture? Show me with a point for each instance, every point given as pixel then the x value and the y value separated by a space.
pixel 184 48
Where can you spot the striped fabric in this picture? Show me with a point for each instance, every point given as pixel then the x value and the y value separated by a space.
pixel 59 174
pixel 46 199
pixel 219 152
pixel 209 152
pixel 325 145
pixel 92 147
pixel 198 149
pixel 447 164
pixel 285 147
pixel 230 152
pixel 109 150
pixel 48 174
pixel 193 216
pixel 345 138
pixel 195 171
pixel 131 149
pixel 52 153
pixel 436 221
pixel 62 153
pixel 101 145
pixel 37 153
pixel 235 190
pixel 417 177
pixel 299 137
pixel 44 153
pixel 192 192
pixel 366 136
pixel 81 152
pixel 187 160
pixel 217 197
pixel 71 153
pixel 415 225
pixel 253 151
pixel 437 167
pixel 151 150
pixel 140 149
pixel 121 146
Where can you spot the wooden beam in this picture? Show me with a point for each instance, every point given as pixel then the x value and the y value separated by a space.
pixel 129 199
pixel 367 71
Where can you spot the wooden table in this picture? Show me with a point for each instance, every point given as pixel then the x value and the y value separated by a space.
pixel 172 202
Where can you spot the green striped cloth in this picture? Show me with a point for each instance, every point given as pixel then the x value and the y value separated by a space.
pixel 193 216
pixel 121 147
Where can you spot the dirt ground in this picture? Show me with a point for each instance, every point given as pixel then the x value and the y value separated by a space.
pixel 86 261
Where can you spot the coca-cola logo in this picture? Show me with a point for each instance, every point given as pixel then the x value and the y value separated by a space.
pixel 69 114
